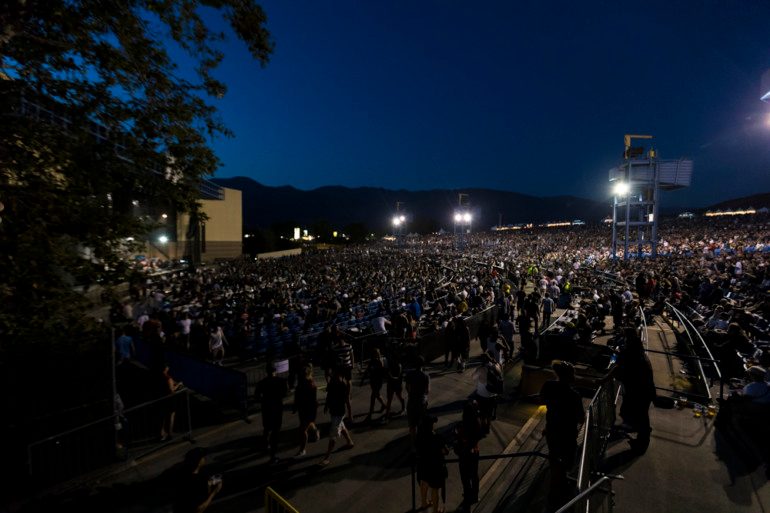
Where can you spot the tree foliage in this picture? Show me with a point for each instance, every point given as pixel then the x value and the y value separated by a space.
pixel 94 113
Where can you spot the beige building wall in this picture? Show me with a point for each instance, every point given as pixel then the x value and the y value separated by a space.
pixel 222 236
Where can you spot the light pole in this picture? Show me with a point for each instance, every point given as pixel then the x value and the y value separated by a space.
pixel 462 222
pixel 399 220
pixel 621 190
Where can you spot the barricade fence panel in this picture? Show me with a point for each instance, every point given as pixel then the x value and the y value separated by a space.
pixel 221 384
pixel 600 418
pixel 121 437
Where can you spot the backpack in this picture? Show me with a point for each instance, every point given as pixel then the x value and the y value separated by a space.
pixel 494 380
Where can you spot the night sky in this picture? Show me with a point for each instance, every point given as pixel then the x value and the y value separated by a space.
pixel 526 96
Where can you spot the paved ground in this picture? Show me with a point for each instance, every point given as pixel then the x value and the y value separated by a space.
pixel 375 475
pixel 690 467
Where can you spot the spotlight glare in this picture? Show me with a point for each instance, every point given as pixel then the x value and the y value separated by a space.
pixel 458 217
pixel 621 189
pixel 467 217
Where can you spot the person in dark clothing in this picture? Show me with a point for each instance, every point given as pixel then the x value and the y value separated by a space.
pixel 418 387
pixel 270 392
pixel 467 435
pixel 337 393
pixel 563 418
pixel 395 384
pixel 634 371
pixel 326 349
pixel 377 373
pixel 195 490
pixel 306 405
pixel 431 464
pixel 463 342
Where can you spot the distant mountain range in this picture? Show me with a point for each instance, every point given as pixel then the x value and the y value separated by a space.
pixel 755 201
pixel 265 206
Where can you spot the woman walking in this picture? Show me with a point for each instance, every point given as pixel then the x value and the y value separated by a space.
pixel 306 405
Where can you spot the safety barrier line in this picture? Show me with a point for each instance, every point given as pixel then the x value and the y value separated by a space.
pixel 274 503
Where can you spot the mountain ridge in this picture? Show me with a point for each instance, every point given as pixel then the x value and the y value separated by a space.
pixel 340 205
pixel 428 210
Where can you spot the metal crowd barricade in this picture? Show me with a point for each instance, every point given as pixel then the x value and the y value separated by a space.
pixel 124 436
pixel 600 417
pixel 447 461
pixel 274 503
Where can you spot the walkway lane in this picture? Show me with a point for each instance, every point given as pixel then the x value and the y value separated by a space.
pixel 690 467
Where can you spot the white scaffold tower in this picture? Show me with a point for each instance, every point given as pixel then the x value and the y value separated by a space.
pixel 637 183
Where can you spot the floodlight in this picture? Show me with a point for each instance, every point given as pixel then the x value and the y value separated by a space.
pixel 622 188
pixel 163 239
pixel 467 217
pixel 402 218
pixel 396 221
pixel 164 216
pixel 458 217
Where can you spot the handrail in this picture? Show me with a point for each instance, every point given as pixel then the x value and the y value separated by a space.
pixel 703 342
pixel 680 316
pixel 587 491
pixel 586 424
pixel 105 419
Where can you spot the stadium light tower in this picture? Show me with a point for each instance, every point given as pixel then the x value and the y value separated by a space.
pixel 399 223
pixel 462 220
pixel 637 183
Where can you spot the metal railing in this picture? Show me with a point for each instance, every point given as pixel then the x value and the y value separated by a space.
pixel 694 335
pixel 600 417
pixel 597 487
pixel 522 454
pixel 274 503
pixel 124 436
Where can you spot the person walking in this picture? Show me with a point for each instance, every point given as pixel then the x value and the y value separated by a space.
pixel 634 371
pixel 489 384
pixel 563 418
pixel 306 406
pixel 377 374
pixel 336 398
pixel 395 384
pixel 547 308
pixel 463 342
pixel 270 392
pixel 167 387
pixel 431 464
pixel 418 388
pixel 467 436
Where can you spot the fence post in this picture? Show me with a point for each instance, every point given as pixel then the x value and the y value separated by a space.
pixel 116 416
pixel 414 489
pixel 29 459
pixel 189 417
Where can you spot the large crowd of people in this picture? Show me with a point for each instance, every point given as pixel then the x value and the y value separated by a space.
pixel 308 306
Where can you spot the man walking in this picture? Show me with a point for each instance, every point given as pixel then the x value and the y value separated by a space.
pixel 270 392
pixel 548 305
pixel 418 388
pixel 336 399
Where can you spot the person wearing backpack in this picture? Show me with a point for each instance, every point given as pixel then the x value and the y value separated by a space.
pixel 489 384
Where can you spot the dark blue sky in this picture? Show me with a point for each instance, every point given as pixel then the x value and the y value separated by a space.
pixel 527 96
